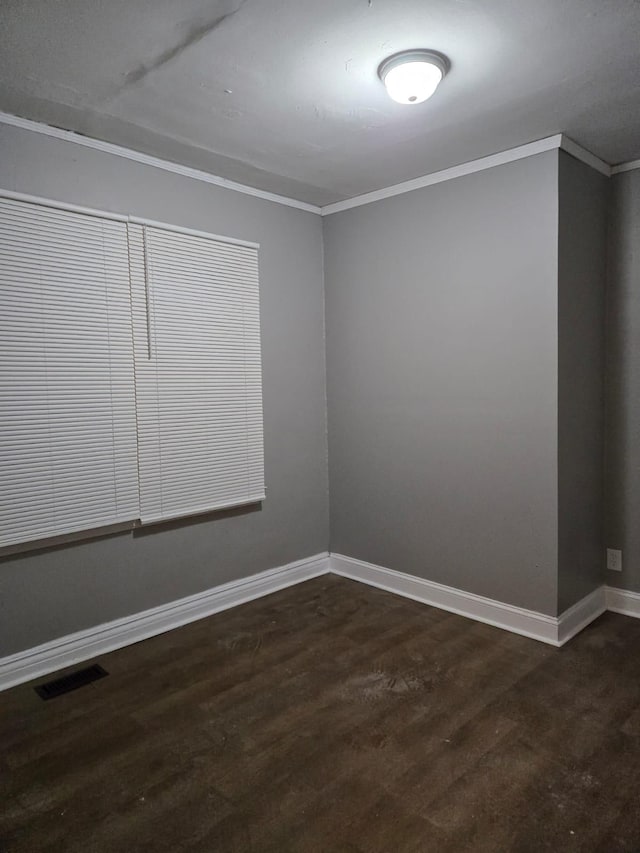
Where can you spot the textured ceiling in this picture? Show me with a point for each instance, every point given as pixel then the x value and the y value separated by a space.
pixel 283 94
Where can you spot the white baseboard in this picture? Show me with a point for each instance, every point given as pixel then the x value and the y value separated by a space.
pixel 573 620
pixel 526 622
pixel 623 601
pixel 83 645
pixel 548 629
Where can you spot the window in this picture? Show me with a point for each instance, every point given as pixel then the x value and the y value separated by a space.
pixel 130 382
pixel 198 373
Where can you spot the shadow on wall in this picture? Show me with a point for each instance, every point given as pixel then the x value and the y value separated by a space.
pixel 216 515
pixel 135 529
pixel 622 460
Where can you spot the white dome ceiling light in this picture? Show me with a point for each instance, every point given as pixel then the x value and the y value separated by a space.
pixel 413 76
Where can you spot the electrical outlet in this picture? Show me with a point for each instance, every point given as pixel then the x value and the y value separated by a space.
pixel 614 560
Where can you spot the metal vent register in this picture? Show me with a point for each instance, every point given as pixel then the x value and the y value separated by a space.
pixel 70 682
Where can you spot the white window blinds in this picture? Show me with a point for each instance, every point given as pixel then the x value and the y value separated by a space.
pixel 130 376
pixel 67 403
pixel 198 372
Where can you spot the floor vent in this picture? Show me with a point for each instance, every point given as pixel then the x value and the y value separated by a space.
pixel 70 682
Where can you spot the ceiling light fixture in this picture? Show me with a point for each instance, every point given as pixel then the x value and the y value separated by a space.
pixel 413 75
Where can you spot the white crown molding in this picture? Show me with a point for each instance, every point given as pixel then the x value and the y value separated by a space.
pixel 550 143
pixel 580 153
pixel 625 167
pixel 623 601
pixel 83 645
pixel 148 160
pixel 509 156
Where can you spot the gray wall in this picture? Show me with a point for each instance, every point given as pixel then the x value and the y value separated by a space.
pixel 52 593
pixel 582 271
pixel 622 529
pixel 464 352
pixel 442 312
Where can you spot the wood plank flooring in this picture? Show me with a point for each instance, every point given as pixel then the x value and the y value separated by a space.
pixel 333 717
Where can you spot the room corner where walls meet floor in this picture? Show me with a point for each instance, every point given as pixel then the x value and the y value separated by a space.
pixel 85 645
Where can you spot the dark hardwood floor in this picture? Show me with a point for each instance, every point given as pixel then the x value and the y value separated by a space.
pixel 333 717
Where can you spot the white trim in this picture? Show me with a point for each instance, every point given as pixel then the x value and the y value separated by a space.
pixel 550 143
pixel 84 645
pixel 522 151
pixel 538 626
pixel 555 631
pixel 623 601
pixel 156 162
pixel 577 617
pixel 89 643
pixel 580 153
pixel 625 167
